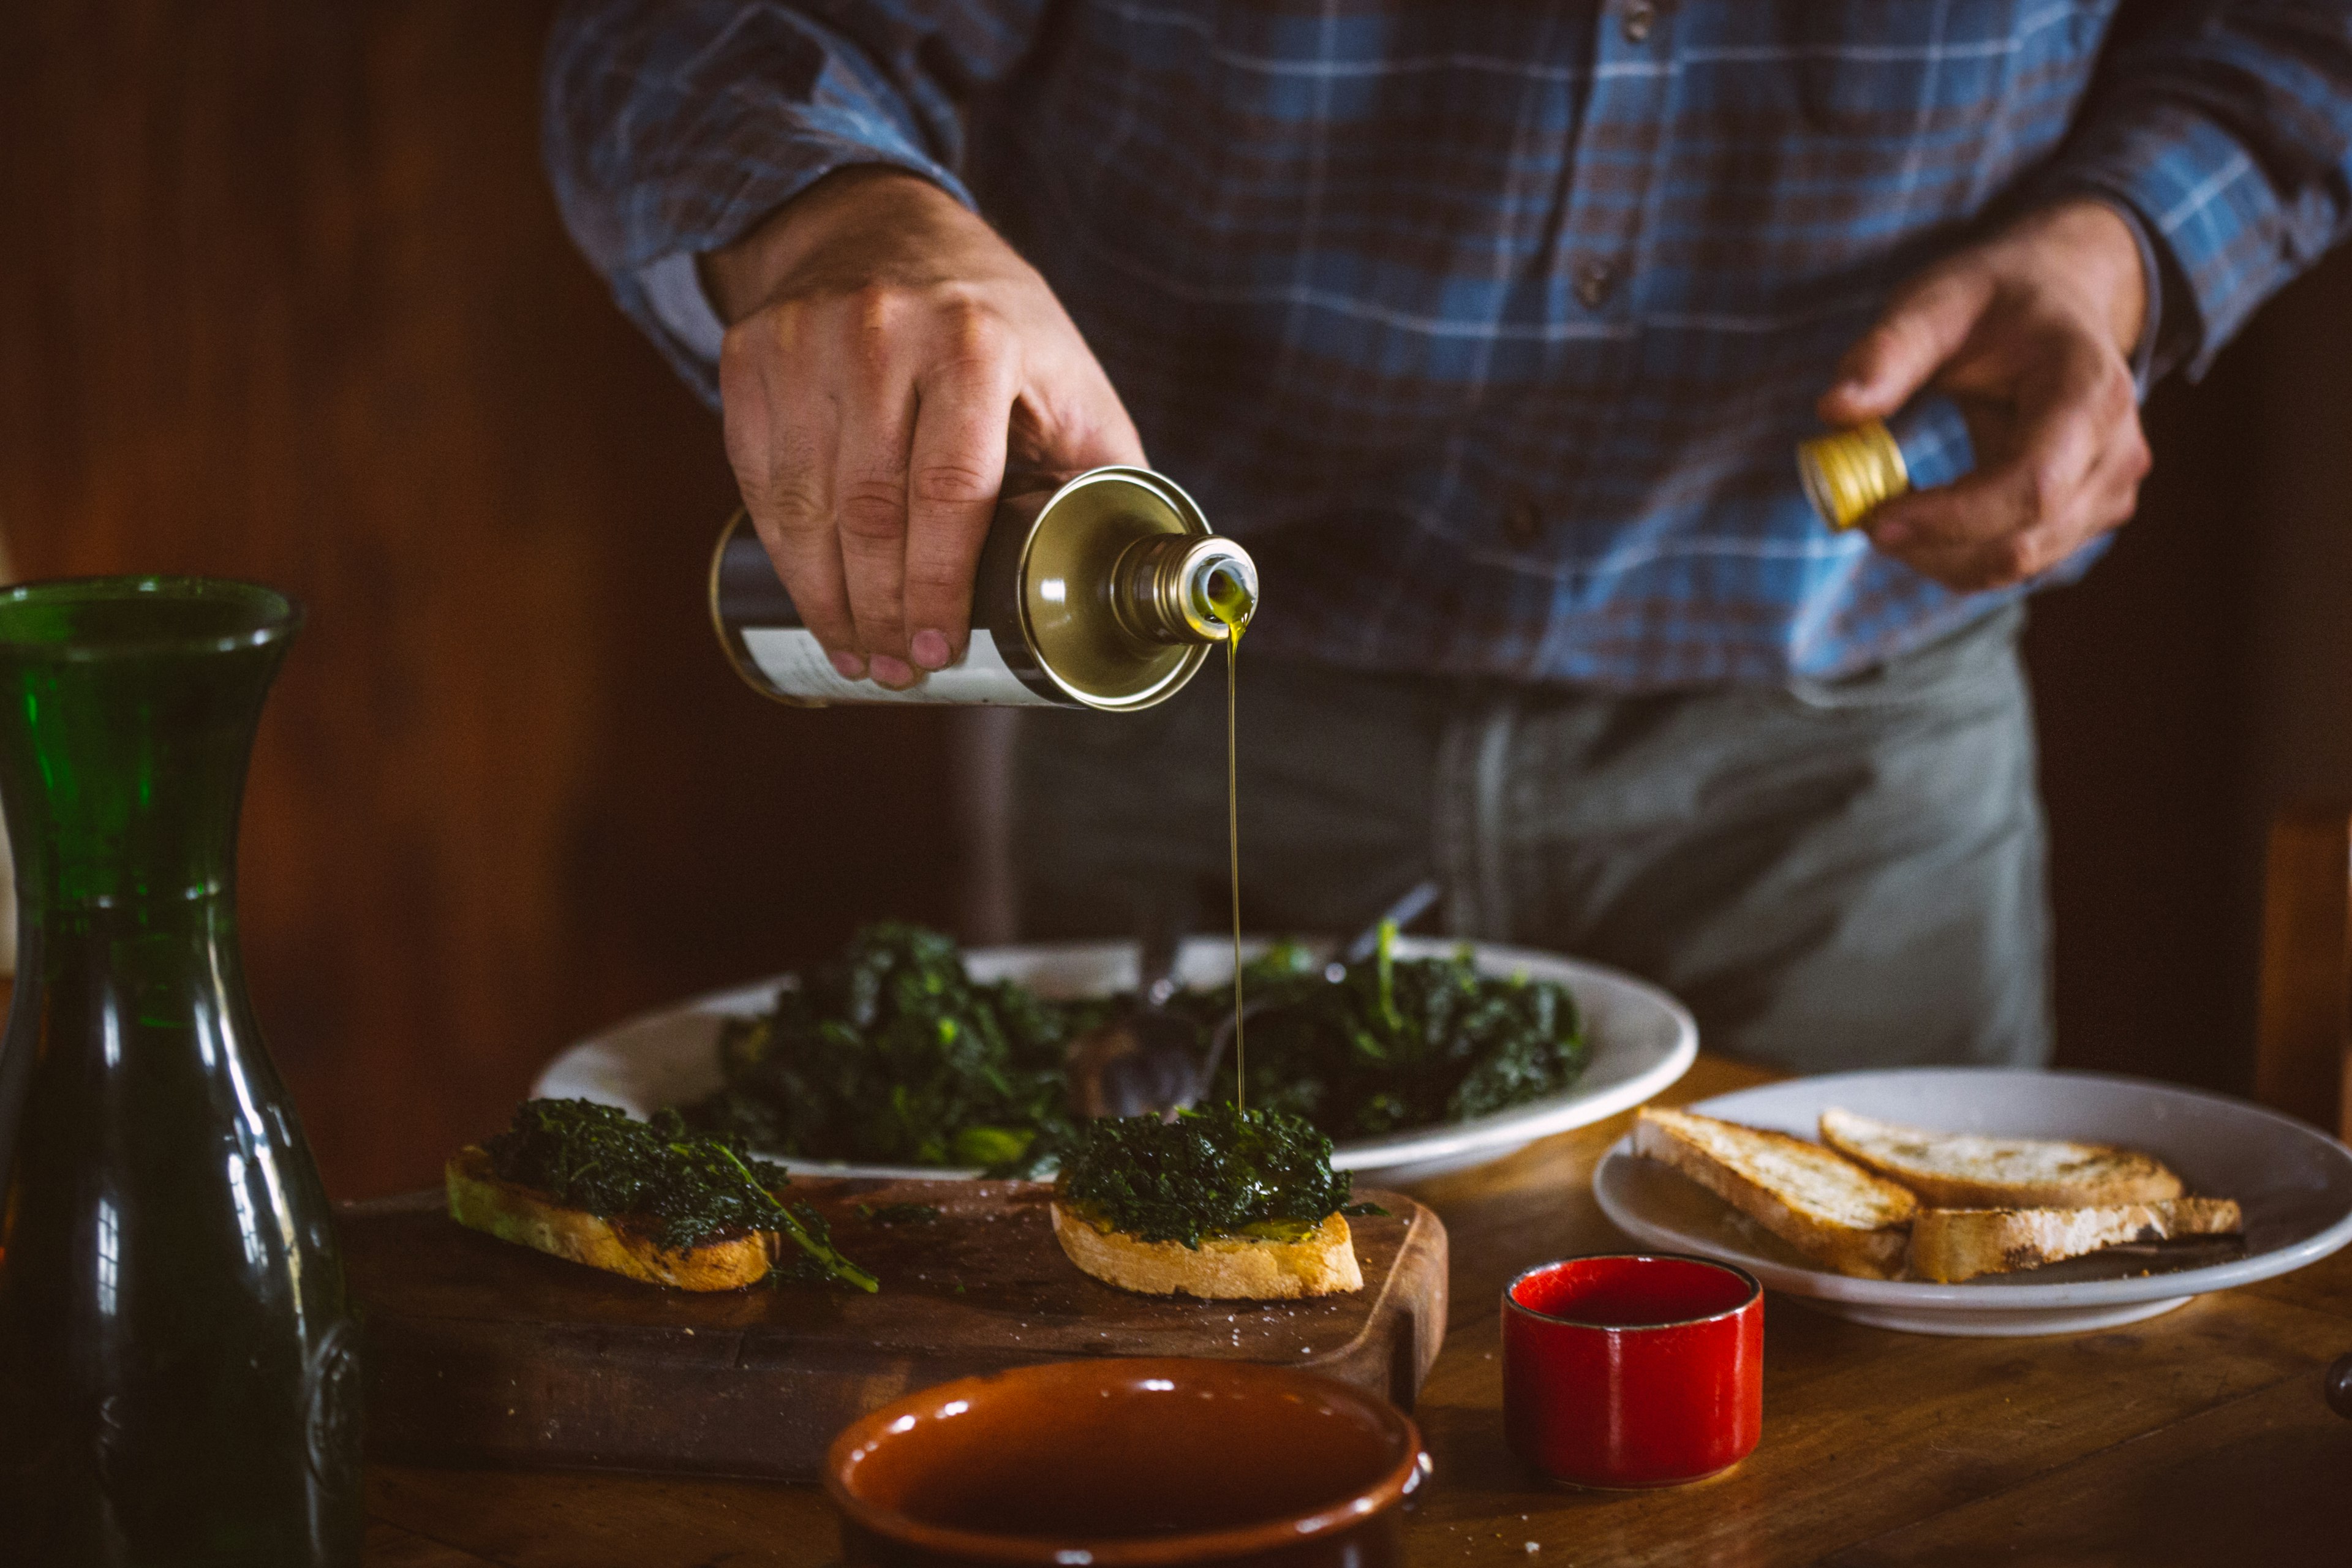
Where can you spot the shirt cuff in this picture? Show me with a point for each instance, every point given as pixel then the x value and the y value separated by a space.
pixel 2202 207
pixel 675 294
pixel 671 285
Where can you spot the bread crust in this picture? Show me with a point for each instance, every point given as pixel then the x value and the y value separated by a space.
pixel 2082 1175
pixel 1865 1252
pixel 1951 1245
pixel 1223 1269
pixel 479 1200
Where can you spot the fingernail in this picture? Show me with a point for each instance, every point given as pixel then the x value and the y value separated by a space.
pixel 931 650
pixel 892 671
pixel 850 666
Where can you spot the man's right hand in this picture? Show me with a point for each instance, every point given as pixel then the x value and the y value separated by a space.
pixel 883 349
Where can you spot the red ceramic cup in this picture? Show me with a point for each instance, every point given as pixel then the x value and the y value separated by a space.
pixel 1633 1371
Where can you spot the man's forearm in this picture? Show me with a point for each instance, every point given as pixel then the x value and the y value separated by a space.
pixel 675 127
pixel 2228 131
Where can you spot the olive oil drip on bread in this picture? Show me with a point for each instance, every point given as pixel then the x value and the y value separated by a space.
pixel 1232 602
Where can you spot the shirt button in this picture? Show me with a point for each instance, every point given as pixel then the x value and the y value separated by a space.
pixel 1522 522
pixel 1639 16
pixel 1594 280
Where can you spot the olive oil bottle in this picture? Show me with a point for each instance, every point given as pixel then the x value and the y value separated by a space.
pixel 178 1377
pixel 1092 593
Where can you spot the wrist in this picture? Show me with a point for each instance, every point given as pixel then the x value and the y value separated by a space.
pixel 744 274
pixel 2093 249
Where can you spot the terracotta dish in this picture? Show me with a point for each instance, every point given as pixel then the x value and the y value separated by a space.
pixel 1121 1462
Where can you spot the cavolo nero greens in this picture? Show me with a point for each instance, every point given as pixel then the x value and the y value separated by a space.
pixel 684 1190
pixel 1398 1042
pixel 1218 1171
pixel 894 1054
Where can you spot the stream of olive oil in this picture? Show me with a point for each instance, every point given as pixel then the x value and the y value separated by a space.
pixel 1233 606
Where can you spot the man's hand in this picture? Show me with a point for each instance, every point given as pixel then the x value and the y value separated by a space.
pixel 882 348
pixel 2030 334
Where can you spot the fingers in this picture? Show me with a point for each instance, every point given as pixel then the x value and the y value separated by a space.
pixel 877 424
pixel 1925 325
pixel 1068 418
pixel 779 441
pixel 2074 473
pixel 892 339
pixel 2028 323
pixel 2108 499
pixel 1106 441
pixel 954 471
pixel 1096 433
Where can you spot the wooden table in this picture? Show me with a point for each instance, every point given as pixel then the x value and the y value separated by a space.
pixel 2199 1436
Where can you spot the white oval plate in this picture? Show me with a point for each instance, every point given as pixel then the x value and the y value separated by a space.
pixel 2293 1182
pixel 1643 1040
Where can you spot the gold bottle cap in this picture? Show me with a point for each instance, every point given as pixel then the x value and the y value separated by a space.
pixel 1848 473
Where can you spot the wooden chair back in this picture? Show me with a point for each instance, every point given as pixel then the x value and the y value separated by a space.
pixel 2302 1061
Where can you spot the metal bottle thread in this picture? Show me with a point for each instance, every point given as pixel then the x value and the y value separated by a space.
pixel 1163 588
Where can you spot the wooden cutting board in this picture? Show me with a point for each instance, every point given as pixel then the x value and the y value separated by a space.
pixel 480 1350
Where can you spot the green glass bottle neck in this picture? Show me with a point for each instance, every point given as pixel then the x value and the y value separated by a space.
pixel 123 778
pixel 123 752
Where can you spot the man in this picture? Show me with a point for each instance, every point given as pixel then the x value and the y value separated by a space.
pixel 1490 326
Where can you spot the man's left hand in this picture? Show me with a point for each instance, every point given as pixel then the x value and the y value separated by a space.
pixel 2030 332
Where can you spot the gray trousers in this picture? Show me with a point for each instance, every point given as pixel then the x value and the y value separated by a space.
pixel 1830 875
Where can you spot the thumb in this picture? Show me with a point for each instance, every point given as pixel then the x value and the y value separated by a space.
pixel 1106 441
pixel 1924 327
pixel 1111 441
pixel 1087 427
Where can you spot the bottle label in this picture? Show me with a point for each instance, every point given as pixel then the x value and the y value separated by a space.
pixel 794 664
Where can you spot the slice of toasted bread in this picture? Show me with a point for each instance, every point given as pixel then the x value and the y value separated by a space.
pixel 1970 1170
pixel 478 1199
pixel 1223 1269
pixel 1951 1245
pixel 1819 1203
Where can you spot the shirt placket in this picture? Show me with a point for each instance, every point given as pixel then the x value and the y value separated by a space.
pixel 1624 132
pixel 1596 281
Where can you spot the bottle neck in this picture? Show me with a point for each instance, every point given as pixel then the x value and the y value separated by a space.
pixel 1173 588
pixel 122 765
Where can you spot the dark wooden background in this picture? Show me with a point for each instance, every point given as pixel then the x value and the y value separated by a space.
pixel 283 295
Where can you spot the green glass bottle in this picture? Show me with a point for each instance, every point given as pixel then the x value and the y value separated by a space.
pixel 178 1377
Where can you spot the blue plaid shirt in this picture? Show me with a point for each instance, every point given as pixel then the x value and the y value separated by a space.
pixel 1490 324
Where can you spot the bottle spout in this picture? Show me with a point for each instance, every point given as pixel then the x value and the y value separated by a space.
pixel 1185 588
pixel 1227 587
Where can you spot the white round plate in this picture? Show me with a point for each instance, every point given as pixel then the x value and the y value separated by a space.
pixel 2293 1182
pixel 1641 1040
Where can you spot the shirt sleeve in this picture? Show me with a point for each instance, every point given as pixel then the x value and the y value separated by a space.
pixel 2226 127
pixel 671 127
